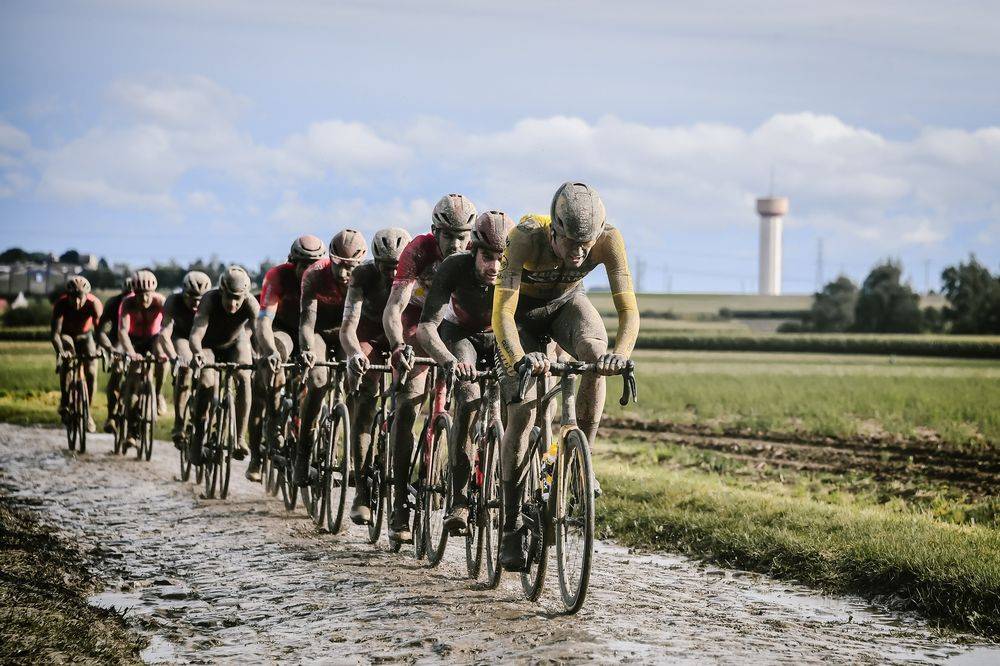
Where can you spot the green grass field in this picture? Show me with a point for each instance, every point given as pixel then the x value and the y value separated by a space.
pixel 889 505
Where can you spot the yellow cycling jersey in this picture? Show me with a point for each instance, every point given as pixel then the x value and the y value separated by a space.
pixel 530 267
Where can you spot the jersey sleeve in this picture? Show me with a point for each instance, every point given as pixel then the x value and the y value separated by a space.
pixel 444 283
pixel 613 256
pixel 516 252
pixel 410 262
pixel 270 291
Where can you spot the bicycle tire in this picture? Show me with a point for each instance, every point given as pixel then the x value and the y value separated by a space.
pixel 83 400
pixel 289 491
pixel 536 519
pixel 490 524
pixel 225 455
pixel 437 490
pixel 375 476
pixel 186 436
pixel 418 477
pixel 574 490
pixel 148 424
pixel 210 470
pixel 338 468
pixel 390 483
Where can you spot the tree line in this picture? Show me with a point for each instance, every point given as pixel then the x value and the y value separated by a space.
pixel 884 304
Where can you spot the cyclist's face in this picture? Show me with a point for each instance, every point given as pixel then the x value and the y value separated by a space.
pixel 450 241
pixel 387 268
pixel 341 272
pixel 78 299
pixel 232 302
pixel 573 253
pixel 487 265
pixel 145 298
pixel 192 301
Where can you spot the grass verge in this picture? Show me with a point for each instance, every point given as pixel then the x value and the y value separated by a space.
pixel 44 614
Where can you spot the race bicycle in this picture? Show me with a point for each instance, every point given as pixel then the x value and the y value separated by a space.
pixel 138 406
pixel 76 415
pixel 558 488
pixel 187 429
pixel 281 433
pixel 374 477
pixel 330 459
pixel 220 429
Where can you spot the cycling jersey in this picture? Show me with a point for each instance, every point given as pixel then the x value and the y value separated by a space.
pixel 143 323
pixel 281 289
pixel 110 316
pixel 225 328
pixel 457 290
pixel 375 289
pixel 417 263
pixel 76 320
pixel 177 309
pixel 318 283
pixel 531 268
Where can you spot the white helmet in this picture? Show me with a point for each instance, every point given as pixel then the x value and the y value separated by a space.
pixel 235 281
pixel 196 283
pixel 388 243
pixel 454 212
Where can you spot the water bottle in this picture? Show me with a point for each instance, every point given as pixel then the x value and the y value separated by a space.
pixel 548 465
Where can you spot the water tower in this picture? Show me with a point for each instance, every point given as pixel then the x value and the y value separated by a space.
pixel 771 210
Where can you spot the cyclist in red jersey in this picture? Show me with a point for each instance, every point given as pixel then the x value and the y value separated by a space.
pixel 362 338
pixel 139 323
pixel 107 338
pixel 324 288
pixel 456 330
pixel 450 230
pixel 276 333
pixel 74 317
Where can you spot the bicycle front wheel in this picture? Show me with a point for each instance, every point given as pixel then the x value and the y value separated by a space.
pixel 489 523
pixel 574 519
pixel 536 522
pixel 437 490
pixel 227 432
pixel 148 423
pixel 210 467
pixel 338 468
pixel 83 413
pixel 375 475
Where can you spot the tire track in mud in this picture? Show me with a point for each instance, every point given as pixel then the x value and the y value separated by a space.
pixel 244 580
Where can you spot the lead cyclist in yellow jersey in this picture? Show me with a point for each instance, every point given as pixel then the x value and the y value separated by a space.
pixel 539 295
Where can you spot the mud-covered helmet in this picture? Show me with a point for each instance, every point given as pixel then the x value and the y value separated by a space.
pixel 77 285
pixel 127 284
pixel 454 212
pixel 307 248
pixel 196 283
pixel 348 247
pixel 235 281
pixel 578 212
pixel 143 280
pixel 389 243
pixel 491 229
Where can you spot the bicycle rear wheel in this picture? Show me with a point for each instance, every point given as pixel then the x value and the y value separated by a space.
pixel 186 437
pixel 574 519
pixel 535 521
pixel 338 468
pixel 490 521
pixel 227 437
pixel 437 490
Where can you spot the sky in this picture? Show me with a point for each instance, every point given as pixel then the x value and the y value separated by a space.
pixel 153 131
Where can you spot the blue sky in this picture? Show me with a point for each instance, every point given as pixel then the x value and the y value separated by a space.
pixel 148 131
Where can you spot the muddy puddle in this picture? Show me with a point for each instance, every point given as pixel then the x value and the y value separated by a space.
pixel 244 581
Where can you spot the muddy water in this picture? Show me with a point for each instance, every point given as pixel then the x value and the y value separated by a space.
pixel 243 580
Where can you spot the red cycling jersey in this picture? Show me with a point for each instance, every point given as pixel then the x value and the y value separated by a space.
pixel 143 322
pixel 281 289
pixel 318 283
pixel 418 263
pixel 76 321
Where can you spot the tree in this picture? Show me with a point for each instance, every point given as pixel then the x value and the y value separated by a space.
pixel 70 257
pixel 833 308
pixel 973 298
pixel 886 305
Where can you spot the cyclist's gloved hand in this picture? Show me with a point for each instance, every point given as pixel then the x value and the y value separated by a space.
pixel 358 364
pixel 66 355
pixel 402 358
pixel 538 362
pixel 197 360
pixel 611 364
pixel 308 358
pixel 135 356
pixel 465 372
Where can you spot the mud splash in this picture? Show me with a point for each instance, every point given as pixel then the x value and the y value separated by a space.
pixel 242 580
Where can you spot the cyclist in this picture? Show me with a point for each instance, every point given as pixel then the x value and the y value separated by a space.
pixel 178 316
pixel 107 337
pixel 138 326
pixel 451 226
pixel 456 330
pixel 277 333
pixel 324 288
pixel 540 295
pixel 362 339
pixel 74 316
pixel 221 332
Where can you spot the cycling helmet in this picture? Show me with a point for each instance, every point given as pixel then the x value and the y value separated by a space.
pixel 388 243
pixel 307 248
pixel 235 281
pixel 127 284
pixel 196 283
pixel 491 230
pixel 144 280
pixel 78 285
pixel 454 212
pixel 577 212
pixel 348 247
